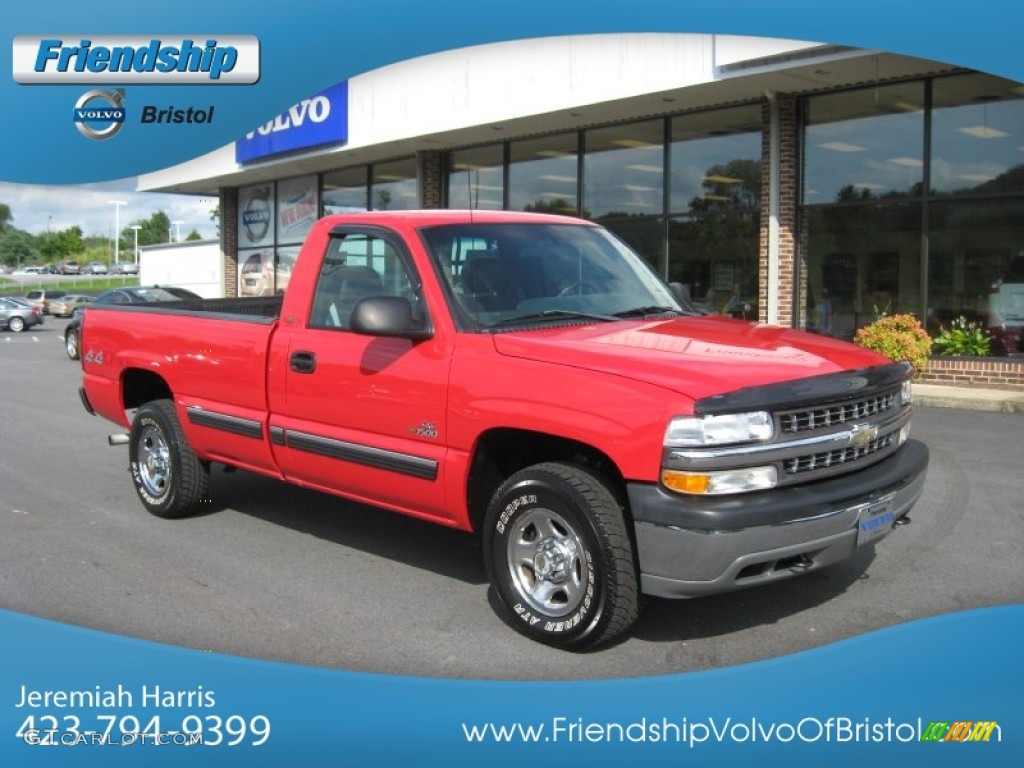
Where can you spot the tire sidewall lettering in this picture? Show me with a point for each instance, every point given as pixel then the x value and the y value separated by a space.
pixel 511 508
pixel 140 488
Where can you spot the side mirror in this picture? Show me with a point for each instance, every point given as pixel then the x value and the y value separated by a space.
pixel 387 316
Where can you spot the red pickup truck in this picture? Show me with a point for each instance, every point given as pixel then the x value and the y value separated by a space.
pixel 529 378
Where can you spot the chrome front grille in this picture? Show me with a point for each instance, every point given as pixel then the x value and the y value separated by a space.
pixel 834 458
pixel 814 442
pixel 837 414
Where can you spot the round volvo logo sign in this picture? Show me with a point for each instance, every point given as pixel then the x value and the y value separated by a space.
pixel 99 114
pixel 256 217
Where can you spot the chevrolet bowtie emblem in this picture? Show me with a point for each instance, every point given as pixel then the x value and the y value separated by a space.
pixel 862 435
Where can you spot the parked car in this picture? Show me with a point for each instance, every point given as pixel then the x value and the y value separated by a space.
pixel 66 305
pixel 124 268
pixel 16 315
pixel 70 267
pixel 137 295
pixel 41 297
pixel 94 268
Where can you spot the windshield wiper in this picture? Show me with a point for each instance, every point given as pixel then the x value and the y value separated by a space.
pixel 645 311
pixel 549 314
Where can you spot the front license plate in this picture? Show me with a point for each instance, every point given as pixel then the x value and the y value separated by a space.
pixel 874 521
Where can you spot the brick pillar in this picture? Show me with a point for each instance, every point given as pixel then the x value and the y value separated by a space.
pixel 788 189
pixel 430 178
pixel 229 238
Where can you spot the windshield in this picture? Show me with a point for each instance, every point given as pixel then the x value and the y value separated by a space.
pixel 498 275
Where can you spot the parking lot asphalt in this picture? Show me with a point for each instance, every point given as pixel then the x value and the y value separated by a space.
pixel 281 573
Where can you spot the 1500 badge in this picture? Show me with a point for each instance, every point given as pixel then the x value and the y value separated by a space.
pixel 426 429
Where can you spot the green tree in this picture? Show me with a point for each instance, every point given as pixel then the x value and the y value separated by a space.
pixel 5 217
pixel 57 246
pixel 16 247
pixel 71 240
pixel 194 235
pixel 153 230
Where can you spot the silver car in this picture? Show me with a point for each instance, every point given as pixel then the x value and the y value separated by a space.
pixel 17 315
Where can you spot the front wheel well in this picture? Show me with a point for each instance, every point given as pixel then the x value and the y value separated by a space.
pixel 502 452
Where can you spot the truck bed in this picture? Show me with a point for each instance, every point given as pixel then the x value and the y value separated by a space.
pixel 246 307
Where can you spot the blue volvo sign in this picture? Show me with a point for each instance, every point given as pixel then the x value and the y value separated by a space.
pixel 318 120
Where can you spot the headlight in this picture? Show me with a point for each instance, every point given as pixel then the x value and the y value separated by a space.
pixel 720 481
pixel 688 431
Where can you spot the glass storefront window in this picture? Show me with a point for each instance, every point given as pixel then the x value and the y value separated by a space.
pixel 976 268
pixel 716 257
pixel 862 261
pixel 977 136
pixel 542 175
pixel 344 190
pixel 716 160
pixel 861 146
pixel 476 178
pixel 394 186
pixel 624 170
pixel 716 183
pixel 645 235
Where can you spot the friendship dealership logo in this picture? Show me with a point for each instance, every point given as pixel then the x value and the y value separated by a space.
pixel 196 59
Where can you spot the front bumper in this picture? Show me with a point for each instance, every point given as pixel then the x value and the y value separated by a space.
pixel 690 546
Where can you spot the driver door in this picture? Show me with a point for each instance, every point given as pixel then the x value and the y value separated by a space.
pixel 360 415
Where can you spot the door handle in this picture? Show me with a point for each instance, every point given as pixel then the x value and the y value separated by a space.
pixel 303 362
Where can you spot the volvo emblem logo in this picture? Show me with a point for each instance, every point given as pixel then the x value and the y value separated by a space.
pixel 862 435
pixel 100 114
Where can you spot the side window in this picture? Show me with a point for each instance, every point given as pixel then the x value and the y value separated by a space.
pixel 358 266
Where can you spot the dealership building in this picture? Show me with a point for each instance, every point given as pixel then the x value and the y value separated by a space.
pixel 795 183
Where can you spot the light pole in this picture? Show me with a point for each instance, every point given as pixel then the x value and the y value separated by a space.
pixel 117 225
pixel 177 230
pixel 136 227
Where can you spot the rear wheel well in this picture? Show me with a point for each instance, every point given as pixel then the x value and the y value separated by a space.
pixel 139 387
pixel 500 453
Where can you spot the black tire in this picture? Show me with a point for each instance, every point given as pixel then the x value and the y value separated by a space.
pixel 16 324
pixel 71 343
pixel 169 479
pixel 560 558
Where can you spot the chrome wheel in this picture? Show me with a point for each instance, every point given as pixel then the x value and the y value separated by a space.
pixel 546 562
pixel 154 461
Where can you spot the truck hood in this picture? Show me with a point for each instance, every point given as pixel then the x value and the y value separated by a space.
pixel 696 357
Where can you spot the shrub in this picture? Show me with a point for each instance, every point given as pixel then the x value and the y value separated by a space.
pixel 963 338
pixel 898 337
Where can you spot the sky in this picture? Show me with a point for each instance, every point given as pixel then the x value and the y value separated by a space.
pixel 36 208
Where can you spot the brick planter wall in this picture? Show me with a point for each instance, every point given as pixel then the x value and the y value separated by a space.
pixel 990 372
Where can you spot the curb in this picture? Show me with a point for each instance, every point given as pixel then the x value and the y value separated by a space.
pixel 993 401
